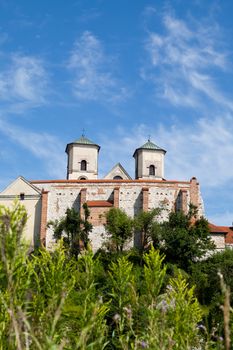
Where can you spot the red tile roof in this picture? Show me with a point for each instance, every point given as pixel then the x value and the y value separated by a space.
pixel 229 235
pixel 228 231
pixel 217 229
pixel 99 204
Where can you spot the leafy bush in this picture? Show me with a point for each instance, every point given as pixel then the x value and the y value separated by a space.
pixel 51 301
pixel 119 228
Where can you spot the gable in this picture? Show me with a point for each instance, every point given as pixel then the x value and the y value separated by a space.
pixel 20 185
pixel 118 171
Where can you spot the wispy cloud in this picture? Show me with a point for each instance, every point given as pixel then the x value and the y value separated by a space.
pixel 93 77
pixel 89 14
pixel 42 145
pixel 204 150
pixel 24 80
pixel 181 63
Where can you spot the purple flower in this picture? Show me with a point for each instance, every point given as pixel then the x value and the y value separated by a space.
pixel 143 344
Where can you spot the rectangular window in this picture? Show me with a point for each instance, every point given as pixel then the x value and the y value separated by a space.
pixel 22 196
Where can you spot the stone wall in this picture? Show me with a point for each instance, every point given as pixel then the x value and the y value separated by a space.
pixel 130 195
pixel 219 240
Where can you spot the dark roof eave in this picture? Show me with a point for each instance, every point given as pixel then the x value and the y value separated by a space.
pixel 82 144
pixel 148 149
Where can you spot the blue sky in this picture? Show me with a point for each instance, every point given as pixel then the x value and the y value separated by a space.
pixel 122 70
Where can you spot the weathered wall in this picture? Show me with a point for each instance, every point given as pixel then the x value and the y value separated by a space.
pixel 129 195
pixel 219 240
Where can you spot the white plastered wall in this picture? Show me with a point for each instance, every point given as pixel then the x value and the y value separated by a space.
pixel 76 154
pixel 31 202
pixel 147 158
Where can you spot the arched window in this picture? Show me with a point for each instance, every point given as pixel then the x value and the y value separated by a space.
pixel 83 165
pixel 82 178
pixel 117 177
pixel 152 170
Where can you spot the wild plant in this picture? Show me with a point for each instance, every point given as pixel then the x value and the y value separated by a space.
pixel 123 303
pixel 52 301
pixel 85 310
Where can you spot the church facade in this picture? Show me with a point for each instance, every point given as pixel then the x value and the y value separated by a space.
pixel 47 200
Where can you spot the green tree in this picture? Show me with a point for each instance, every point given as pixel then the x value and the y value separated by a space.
pixel 146 223
pixel 73 229
pixel 184 239
pixel 119 228
pixel 205 275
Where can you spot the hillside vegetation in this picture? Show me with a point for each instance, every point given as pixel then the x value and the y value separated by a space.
pixel 161 297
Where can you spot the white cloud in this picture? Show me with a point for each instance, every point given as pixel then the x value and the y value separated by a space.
pixel 93 77
pixel 42 145
pixel 204 149
pixel 25 80
pixel 181 61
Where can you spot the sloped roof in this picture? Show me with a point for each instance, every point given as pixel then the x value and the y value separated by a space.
pixel 149 146
pixel 226 230
pixel 22 185
pixel 83 141
pixel 118 170
pixel 229 235
pixel 217 229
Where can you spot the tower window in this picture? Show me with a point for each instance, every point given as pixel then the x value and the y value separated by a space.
pixel 83 165
pixel 152 170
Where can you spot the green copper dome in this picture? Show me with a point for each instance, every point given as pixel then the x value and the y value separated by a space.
pixel 83 141
pixel 150 146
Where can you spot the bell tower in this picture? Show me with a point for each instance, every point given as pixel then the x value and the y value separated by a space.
pixel 149 161
pixel 82 159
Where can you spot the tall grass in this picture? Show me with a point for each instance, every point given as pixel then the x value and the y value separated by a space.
pixel 49 301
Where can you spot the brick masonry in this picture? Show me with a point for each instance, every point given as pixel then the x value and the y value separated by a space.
pixel 44 211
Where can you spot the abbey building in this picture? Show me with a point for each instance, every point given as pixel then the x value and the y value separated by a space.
pixel 47 200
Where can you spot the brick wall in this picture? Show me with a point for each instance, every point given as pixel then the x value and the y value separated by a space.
pixel 44 210
pixel 116 197
pixel 145 198
pixel 97 216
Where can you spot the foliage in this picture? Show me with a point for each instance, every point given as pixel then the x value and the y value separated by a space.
pixel 146 223
pixel 119 228
pixel 123 297
pixel 185 241
pixel 51 301
pixel 154 274
pixel 205 275
pixel 73 229
pixel 37 291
